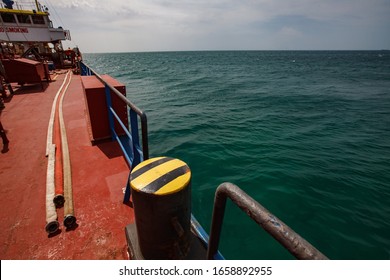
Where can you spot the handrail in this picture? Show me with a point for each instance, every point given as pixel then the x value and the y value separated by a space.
pixel 292 241
pixel 88 71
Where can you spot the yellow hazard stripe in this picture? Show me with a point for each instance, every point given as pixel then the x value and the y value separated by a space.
pixel 25 12
pixel 145 163
pixel 172 186
pixel 154 174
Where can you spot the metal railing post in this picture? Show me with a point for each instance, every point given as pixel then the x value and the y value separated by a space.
pixel 145 141
pixel 109 106
pixel 134 135
pixel 293 242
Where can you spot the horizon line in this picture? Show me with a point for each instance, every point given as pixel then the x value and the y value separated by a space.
pixel 244 50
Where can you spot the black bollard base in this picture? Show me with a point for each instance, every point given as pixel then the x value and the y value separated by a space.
pixel 197 250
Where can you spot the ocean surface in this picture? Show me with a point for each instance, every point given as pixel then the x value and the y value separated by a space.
pixel 306 133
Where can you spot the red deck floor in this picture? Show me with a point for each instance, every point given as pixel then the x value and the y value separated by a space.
pixel 98 174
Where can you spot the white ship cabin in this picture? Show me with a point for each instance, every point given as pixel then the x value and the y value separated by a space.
pixel 20 24
pixel 27 31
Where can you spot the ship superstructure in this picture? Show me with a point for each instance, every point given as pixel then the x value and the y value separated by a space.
pixel 26 29
pixel 22 25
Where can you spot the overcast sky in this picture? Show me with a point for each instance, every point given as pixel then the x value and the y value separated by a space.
pixel 168 25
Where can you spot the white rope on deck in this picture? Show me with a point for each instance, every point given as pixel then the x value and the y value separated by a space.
pixel 50 128
pixel 69 218
pixel 52 224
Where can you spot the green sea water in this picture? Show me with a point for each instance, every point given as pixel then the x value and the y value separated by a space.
pixel 306 133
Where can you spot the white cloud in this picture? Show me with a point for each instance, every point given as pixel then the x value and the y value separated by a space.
pixel 290 32
pixel 207 24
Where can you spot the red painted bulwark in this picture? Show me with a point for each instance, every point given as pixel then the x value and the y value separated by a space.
pixel 97 111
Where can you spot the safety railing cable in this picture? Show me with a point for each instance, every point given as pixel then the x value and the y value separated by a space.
pixel 294 243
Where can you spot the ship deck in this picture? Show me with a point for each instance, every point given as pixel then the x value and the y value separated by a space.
pixel 99 174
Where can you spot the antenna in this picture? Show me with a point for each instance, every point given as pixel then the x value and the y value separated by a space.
pixel 37 4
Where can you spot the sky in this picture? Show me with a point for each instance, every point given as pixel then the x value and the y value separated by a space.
pixel 168 25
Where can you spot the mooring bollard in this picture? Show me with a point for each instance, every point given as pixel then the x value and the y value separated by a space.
pixel 161 191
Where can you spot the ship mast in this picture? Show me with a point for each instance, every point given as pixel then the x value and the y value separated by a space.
pixel 37 4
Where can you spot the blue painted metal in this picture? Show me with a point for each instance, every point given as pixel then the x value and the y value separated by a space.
pixel 126 197
pixel 110 110
pixel 203 236
pixel 138 156
pixel 85 70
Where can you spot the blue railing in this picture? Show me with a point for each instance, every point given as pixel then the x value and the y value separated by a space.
pixel 130 142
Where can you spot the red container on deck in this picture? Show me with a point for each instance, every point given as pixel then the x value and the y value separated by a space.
pixel 23 70
pixel 97 112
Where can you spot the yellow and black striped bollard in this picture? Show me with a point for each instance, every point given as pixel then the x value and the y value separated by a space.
pixel 161 191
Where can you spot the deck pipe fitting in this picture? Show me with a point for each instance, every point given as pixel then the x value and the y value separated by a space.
pixel 161 193
pixel 69 221
pixel 52 227
pixel 59 200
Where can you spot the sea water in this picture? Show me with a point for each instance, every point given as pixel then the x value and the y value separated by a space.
pixel 305 133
